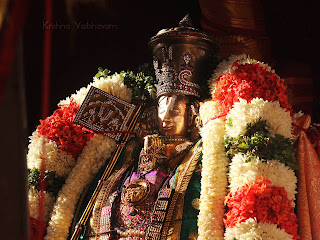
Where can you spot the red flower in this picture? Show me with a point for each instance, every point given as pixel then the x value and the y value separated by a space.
pixel 250 81
pixel 59 127
pixel 265 203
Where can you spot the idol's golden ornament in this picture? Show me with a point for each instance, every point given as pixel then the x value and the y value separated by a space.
pixel 136 192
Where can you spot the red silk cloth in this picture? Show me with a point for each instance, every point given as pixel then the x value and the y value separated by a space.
pixel 308 198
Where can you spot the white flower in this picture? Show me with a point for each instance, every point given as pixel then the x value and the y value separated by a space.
pixel 115 86
pixel 33 200
pixel 55 159
pixel 214 175
pixel 243 113
pixel 242 173
pixel 80 176
pixel 111 84
pixel 252 230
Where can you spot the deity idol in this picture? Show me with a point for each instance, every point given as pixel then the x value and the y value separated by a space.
pixel 156 194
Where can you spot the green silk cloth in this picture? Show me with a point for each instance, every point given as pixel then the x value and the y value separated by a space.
pixel 189 228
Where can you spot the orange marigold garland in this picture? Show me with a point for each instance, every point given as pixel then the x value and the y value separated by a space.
pixel 263 202
pixel 250 81
pixel 59 127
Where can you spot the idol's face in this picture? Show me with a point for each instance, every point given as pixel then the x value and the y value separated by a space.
pixel 172 114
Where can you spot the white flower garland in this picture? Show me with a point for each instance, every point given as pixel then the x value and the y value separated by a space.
pixel 225 67
pixel 277 119
pixel 111 84
pixel 56 160
pixel 242 173
pixel 252 230
pixel 214 175
pixel 33 199
pixel 93 156
pixel 79 173
pixel 279 122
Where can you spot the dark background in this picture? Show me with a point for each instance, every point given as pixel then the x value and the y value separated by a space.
pixel 77 54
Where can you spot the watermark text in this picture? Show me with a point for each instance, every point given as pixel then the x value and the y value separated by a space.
pixel 79 25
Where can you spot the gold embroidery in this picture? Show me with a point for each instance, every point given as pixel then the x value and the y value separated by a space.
pixel 108 187
pixel 193 236
pixel 198 168
pixel 184 173
pixel 196 203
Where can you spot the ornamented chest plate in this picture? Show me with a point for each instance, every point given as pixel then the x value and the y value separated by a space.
pixel 136 192
pixel 103 112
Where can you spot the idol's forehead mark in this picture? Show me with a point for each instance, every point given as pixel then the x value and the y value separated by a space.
pixel 167 102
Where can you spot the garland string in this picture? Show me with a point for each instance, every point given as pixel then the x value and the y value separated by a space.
pixel 116 132
pixel 42 186
pixel 213 118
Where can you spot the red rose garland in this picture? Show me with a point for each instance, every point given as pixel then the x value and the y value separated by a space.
pixel 250 81
pixel 59 127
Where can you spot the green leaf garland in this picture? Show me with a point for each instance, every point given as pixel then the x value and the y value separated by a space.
pixel 53 182
pixel 259 142
pixel 143 82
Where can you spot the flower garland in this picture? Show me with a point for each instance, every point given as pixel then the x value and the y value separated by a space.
pixel 277 119
pixel 251 229
pixel 243 173
pixel 213 176
pixel 59 127
pixel 33 199
pixel 256 180
pixel 57 160
pixel 72 152
pixel 93 156
pixel 257 133
pixel 242 77
pixel 255 101
pixel 265 203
